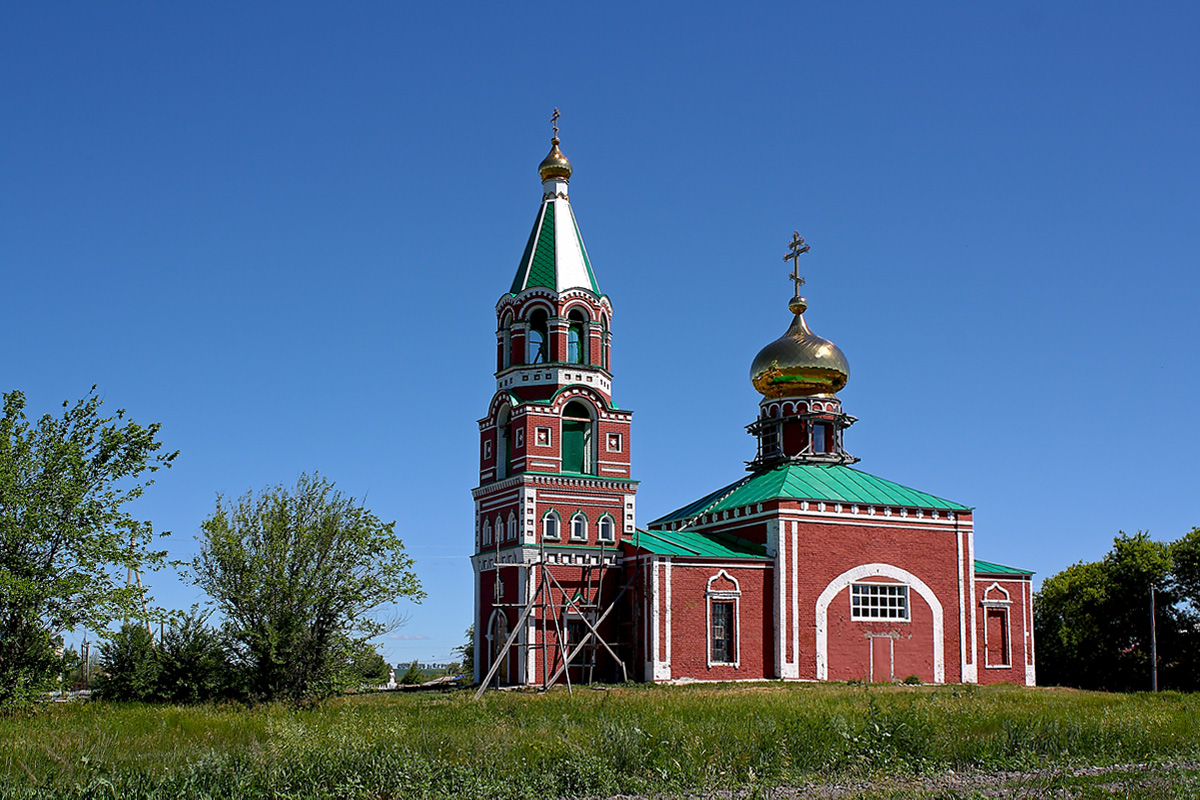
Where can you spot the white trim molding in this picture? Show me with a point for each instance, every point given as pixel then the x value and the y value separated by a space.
pixel 887 571
pixel 733 595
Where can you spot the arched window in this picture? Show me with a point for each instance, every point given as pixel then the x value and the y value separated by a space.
pixel 551 524
pixel 577 445
pixel 504 444
pixel 487 532
pixel 499 529
pixel 512 526
pixel 604 341
pixel 539 339
pixel 577 341
pixel 605 529
pixel 506 341
pixel 579 525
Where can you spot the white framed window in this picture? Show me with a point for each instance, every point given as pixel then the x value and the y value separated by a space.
pixel 542 437
pixel 487 449
pixel 487 532
pixel 722 632
pixel 579 526
pixel 551 525
pixel 520 438
pixel 512 526
pixel 997 635
pixel 870 601
pixel 723 598
pixel 606 529
pixel 614 442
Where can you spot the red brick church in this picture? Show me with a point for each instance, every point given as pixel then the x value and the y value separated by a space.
pixel 804 569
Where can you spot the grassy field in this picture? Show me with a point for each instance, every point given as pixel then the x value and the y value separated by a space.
pixel 793 740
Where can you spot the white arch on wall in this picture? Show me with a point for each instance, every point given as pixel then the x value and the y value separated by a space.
pixel 887 571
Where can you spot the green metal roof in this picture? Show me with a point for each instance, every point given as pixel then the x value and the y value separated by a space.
pixel 555 256
pixel 834 482
pixel 990 568
pixel 691 543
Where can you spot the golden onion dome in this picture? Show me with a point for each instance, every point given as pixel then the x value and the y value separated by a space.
pixel 555 165
pixel 799 363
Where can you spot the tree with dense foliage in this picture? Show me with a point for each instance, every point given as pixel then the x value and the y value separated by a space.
pixel 129 666
pixel 297 572
pixel 1092 620
pixel 364 665
pixel 194 660
pixel 413 676
pixel 67 540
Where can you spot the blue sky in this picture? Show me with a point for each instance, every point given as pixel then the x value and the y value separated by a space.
pixel 280 230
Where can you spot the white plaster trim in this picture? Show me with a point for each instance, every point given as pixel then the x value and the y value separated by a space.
pixel 776 543
pixel 888 571
pixel 1007 601
pixel 794 619
pixel 972 675
pixel 994 605
pixel 670 608
pixel 595 500
pixel 962 596
pixel 724 595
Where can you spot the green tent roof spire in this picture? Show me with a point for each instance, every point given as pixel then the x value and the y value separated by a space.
pixel 555 256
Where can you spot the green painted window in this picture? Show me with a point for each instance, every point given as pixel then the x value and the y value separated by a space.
pixel 576 439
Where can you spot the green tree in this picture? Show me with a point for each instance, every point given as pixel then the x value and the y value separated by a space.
pixel 297 572
pixel 364 664
pixel 412 676
pixel 129 666
pixel 195 665
pixel 66 538
pixel 467 651
pixel 1092 620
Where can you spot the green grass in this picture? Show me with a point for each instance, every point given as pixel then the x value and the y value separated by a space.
pixel 622 740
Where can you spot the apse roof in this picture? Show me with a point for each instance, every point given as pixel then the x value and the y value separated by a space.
pixel 990 568
pixel 833 482
pixel 693 543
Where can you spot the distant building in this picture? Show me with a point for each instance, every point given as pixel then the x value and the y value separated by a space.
pixel 805 569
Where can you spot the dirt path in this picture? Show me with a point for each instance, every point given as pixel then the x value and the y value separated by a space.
pixel 1173 779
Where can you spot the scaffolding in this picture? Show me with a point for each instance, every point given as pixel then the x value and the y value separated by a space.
pixel 556 606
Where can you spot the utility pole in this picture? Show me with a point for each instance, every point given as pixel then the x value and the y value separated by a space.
pixel 1153 646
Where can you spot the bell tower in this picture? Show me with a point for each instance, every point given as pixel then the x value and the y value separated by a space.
pixel 555 495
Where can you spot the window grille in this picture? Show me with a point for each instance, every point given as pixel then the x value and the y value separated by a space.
pixel 878 601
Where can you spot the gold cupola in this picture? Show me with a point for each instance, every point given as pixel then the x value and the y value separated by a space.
pixel 799 363
pixel 554 166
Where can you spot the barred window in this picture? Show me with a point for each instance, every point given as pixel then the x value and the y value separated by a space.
pixel 878 601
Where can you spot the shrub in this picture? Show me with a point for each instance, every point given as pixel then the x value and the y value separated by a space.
pixel 195 663
pixel 413 676
pixel 129 666
pixel 912 680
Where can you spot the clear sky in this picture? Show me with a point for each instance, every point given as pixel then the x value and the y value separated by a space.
pixel 280 230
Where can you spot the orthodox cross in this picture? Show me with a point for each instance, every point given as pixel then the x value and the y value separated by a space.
pixel 554 122
pixel 796 249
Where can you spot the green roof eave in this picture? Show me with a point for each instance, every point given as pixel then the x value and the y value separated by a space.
pixel 830 482
pixel 692 544
pixel 991 568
